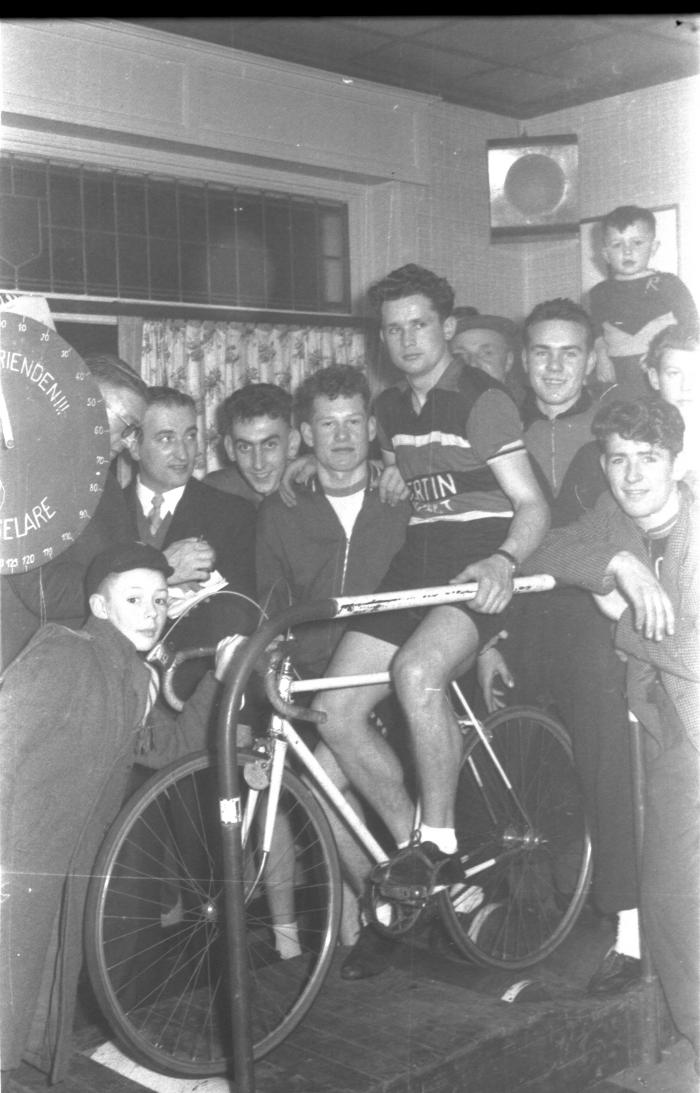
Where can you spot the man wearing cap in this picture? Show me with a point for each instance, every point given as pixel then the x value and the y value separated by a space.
pixel 84 701
pixel 490 342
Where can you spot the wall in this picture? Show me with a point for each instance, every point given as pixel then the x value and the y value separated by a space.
pixel 635 149
pixel 412 168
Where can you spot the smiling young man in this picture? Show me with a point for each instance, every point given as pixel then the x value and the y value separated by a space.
pixel 260 440
pixel 336 540
pixel 637 551
pixel 558 652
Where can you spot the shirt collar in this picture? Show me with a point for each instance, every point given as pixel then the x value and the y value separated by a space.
pixel 531 411
pixel 448 379
pixel 171 498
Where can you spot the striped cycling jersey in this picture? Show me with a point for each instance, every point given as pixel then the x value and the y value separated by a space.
pixel 446 452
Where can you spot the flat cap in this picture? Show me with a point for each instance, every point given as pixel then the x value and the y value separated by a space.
pixel 499 323
pixel 120 559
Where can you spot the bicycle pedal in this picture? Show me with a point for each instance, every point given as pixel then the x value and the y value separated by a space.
pixel 414 894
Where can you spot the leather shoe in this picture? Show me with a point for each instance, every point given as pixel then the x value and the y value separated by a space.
pixel 616 972
pixel 370 955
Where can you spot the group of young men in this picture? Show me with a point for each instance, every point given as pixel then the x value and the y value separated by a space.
pixel 576 483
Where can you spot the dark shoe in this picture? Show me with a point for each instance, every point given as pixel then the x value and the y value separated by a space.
pixel 370 955
pixel 615 974
pixel 415 873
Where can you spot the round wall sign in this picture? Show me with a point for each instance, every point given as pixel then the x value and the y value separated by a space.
pixel 54 444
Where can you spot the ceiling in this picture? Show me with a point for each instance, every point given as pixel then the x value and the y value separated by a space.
pixel 520 67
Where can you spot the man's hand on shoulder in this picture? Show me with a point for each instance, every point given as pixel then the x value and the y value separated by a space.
pixel 392 487
pixel 300 470
pixel 654 616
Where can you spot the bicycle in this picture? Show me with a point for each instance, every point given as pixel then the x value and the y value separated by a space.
pixel 157 958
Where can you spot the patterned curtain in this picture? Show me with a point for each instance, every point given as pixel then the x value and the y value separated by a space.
pixel 210 360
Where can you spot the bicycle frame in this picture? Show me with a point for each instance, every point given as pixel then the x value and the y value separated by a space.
pixel 284 735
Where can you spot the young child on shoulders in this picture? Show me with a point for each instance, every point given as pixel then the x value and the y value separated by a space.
pixel 76 711
pixel 635 301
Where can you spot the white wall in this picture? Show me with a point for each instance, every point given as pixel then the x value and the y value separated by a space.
pixel 412 168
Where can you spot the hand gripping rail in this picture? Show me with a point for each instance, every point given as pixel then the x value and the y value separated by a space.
pixel 242 665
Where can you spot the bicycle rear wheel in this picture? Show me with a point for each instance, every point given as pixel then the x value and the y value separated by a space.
pixel 154 930
pixel 522 906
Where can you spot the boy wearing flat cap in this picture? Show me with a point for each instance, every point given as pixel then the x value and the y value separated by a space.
pixel 74 716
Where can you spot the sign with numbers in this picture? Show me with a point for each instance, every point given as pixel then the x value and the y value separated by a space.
pixel 54 444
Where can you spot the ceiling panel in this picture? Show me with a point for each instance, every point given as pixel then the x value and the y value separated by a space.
pixel 510 41
pixel 520 67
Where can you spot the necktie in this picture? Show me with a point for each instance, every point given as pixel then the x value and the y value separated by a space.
pixel 154 517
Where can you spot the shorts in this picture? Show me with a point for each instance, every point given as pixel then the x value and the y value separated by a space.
pixel 432 555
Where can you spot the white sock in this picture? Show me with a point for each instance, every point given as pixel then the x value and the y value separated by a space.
pixel 444 837
pixel 287 939
pixel 627 937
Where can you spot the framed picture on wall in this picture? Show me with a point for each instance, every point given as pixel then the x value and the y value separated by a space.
pixel 593 267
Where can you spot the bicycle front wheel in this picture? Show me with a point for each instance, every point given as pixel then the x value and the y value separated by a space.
pixel 535 836
pixel 154 927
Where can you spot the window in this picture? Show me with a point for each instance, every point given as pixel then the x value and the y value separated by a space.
pixel 89 232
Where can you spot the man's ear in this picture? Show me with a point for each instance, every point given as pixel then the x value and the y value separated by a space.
pixel 654 247
pixel 307 434
pixel 679 468
pixel 591 360
pixel 98 605
pixel 371 427
pixel 602 458
pixel 448 328
pixel 510 361
pixel 293 443
pixel 229 448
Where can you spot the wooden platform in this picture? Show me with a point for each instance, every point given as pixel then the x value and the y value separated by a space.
pixel 430 1024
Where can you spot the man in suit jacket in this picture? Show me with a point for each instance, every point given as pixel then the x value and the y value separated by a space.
pixel 199 529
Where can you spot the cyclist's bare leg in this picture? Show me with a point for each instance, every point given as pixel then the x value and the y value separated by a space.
pixel 441 648
pixel 368 762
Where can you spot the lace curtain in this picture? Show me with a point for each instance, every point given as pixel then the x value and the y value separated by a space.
pixel 210 360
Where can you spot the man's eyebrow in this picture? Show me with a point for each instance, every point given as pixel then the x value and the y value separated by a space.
pixel 259 440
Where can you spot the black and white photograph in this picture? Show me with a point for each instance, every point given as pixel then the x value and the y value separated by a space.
pixel 350 554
